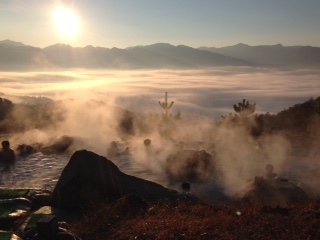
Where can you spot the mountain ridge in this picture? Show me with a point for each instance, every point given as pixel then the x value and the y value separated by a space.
pixel 8 41
pixel 16 55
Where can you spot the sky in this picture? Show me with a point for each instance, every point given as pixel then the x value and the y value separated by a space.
pixel 125 23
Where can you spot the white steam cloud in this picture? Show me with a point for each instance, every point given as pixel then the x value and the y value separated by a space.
pixel 201 96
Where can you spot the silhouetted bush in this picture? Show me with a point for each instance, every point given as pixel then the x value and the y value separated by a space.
pixel 244 108
pixel 5 107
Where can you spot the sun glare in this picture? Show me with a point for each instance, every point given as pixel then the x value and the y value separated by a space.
pixel 66 22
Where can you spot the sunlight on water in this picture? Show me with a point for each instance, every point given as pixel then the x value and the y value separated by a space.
pixel 35 171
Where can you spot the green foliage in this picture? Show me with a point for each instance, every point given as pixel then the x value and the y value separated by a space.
pixel 7 208
pixel 13 193
pixel 32 223
pixel 5 235
pixel 244 108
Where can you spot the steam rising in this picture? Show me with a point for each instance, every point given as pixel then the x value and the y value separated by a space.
pixel 89 103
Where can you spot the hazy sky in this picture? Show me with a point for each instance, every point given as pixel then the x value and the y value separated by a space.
pixel 124 23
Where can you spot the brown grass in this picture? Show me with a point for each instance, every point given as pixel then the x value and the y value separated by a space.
pixel 165 221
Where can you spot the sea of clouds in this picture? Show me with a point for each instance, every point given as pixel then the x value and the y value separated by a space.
pixel 205 92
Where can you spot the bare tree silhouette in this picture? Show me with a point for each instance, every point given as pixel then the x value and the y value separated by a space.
pixel 165 104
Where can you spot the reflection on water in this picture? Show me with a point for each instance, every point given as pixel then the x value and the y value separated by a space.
pixel 35 171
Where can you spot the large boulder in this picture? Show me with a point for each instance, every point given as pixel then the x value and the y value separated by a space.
pixel 272 192
pixel 190 166
pixel 58 146
pixel 88 178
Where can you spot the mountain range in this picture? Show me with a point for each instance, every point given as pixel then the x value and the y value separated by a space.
pixel 18 56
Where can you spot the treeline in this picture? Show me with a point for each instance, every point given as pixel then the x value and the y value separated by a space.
pixel 300 119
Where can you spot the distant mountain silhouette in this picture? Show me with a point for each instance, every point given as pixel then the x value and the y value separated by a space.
pixel 276 56
pixel 152 56
pixel 9 43
pixel 190 57
pixel 18 56
pixel 15 55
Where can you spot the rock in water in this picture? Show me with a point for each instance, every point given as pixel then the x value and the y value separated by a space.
pixel 88 178
pixel 190 166
pixel 24 150
pixel 272 192
pixel 59 146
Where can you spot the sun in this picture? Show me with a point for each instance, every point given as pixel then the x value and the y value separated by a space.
pixel 66 22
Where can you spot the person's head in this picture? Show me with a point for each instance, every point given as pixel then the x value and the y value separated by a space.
pixel 147 142
pixel 185 186
pixel 269 168
pixel 5 144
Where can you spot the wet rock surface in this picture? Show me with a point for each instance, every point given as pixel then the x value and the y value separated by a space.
pixel 58 146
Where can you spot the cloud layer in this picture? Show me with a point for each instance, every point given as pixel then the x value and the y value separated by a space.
pixel 210 92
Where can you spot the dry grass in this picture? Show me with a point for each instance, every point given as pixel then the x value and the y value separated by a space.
pixel 165 221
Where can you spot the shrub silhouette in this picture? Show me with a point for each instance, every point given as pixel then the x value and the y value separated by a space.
pixel 244 108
